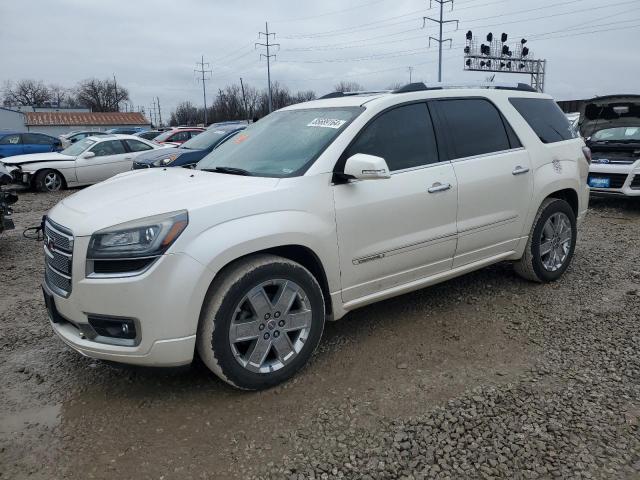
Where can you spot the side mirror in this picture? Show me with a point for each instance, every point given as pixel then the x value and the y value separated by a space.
pixel 88 155
pixel 366 167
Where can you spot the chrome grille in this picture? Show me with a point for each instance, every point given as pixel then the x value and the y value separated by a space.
pixel 58 250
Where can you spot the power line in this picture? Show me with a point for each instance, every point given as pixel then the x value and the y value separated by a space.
pixel 268 56
pixel 203 71
pixel 440 23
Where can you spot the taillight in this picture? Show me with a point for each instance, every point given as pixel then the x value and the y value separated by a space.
pixel 586 151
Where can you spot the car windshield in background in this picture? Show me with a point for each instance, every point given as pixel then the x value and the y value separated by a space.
pixel 282 144
pixel 205 139
pixel 78 147
pixel 618 134
pixel 163 136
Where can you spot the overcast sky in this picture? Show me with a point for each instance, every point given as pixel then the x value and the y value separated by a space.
pixel 152 46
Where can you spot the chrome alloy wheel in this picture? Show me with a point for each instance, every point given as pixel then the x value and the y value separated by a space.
pixel 270 326
pixel 52 182
pixel 555 241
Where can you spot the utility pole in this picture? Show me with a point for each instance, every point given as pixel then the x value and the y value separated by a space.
pixel 440 23
pixel 115 87
pixel 152 113
pixel 159 112
pixel 244 100
pixel 410 70
pixel 268 57
pixel 203 71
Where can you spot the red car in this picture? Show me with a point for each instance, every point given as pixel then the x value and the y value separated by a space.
pixel 178 136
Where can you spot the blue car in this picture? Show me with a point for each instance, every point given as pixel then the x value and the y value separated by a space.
pixel 191 151
pixel 20 143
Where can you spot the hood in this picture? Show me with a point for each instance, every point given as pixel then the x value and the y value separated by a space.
pixel 609 112
pixel 153 155
pixel 142 193
pixel 37 157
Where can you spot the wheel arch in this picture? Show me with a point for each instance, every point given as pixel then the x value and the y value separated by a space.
pixel 301 254
pixel 570 196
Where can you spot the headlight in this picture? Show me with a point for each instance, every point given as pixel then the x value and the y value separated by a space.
pixel 165 161
pixel 147 237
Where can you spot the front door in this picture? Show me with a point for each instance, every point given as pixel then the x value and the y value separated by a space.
pixel 111 158
pixel 494 179
pixel 397 230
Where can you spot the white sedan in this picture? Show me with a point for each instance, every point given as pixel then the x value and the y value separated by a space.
pixel 86 162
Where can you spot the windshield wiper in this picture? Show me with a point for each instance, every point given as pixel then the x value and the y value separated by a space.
pixel 229 170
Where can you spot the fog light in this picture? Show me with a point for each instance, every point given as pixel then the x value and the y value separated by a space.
pixel 114 330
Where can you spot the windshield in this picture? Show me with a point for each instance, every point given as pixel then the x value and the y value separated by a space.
pixel 282 144
pixel 205 139
pixel 163 136
pixel 77 148
pixel 617 134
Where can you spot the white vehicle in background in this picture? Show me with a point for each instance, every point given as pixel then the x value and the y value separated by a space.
pixel 85 162
pixel 611 127
pixel 316 210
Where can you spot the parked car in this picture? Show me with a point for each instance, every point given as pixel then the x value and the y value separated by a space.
pixel 126 130
pixel 178 136
pixel 7 198
pixel 192 151
pixel 148 134
pixel 19 143
pixel 611 126
pixel 73 137
pixel 317 209
pixel 88 161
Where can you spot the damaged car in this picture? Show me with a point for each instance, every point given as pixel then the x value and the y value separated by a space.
pixel 611 127
pixel 7 198
pixel 86 162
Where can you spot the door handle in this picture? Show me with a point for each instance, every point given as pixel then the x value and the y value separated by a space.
pixel 520 170
pixel 438 187
pixel 128 158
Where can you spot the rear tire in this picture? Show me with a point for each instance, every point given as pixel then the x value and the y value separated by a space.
pixel 551 244
pixel 48 181
pixel 261 321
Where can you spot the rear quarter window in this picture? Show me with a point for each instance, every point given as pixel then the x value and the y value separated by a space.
pixel 545 118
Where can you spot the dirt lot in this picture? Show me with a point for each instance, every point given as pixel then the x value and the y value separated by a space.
pixel 483 376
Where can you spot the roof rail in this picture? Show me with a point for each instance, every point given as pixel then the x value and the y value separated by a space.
pixel 349 94
pixel 420 86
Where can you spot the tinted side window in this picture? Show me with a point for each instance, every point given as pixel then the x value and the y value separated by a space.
pixel 13 139
pixel 136 146
pixel 112 147
pixel 545 118
pixel 36 139
pixel 403 136
pixel 474 126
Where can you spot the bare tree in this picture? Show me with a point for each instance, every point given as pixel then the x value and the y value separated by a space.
pixel 185 114
pixel 395 86
pixel 26 92
pixel 100 95
pixel 345 86
pixel 59 94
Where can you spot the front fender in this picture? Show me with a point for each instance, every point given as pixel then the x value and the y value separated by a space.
pixel 228 241
pixel 66 169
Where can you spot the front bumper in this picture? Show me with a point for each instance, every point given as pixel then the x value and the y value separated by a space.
pixel 164 301
pixel 623 179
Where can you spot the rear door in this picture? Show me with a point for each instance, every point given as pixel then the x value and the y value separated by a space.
pixel 493 173
pixel 111 158
pixel 10 145
pixel 37 143
pixel 401 229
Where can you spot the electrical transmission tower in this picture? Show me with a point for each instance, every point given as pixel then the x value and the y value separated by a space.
pixel 440 23
pixel 204 71
pixel 410 70
pixel 159 112
pixel 268 56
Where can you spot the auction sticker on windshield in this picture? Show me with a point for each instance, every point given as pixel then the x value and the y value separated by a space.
pixel 326 123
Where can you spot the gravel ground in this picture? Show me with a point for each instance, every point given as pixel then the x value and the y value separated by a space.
pixel 485 376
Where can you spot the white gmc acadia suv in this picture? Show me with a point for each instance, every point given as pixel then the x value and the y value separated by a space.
pixel 315 210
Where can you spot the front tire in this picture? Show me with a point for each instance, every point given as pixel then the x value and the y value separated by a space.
pixel 261 321
pixel 48 181
pixel 551 243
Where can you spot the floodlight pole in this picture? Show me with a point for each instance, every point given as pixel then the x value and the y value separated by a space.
pixel 440 23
